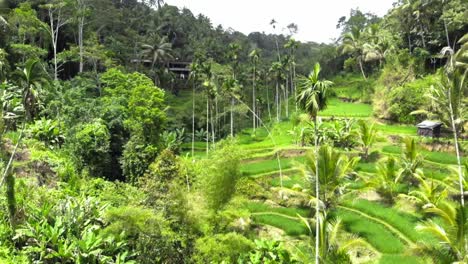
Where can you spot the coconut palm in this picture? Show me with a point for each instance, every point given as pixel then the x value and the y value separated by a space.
pixel 158 51
pixel 353 43
pixel 366 135
pixel 450 234
pixel 312 99
pixel 333 168
pixel 387 178
pixel 429 193
pixel 254 57
pixel 335 245
pixel 411 158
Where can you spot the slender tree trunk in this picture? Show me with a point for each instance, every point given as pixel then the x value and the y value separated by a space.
pixel 212 128
pixel 80 41
pixel 277 102
pixel 253 100
pixel 193 118
pixel 286 97
pixel 232 117
pixel 317 194
pixel 362 69
pixel 446 33
pixel 207 124
pixel 455 137
pixel 294 83
pixel 268 101
pixel 409 43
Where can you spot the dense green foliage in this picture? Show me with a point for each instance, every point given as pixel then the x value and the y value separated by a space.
pixel 111 154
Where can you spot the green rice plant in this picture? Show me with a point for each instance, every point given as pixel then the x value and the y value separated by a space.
pixel 343 109
pixel 376 234
pixel 400 259
pixel 289 226
pixel 264 208
pixel 269 165
pixel 403 222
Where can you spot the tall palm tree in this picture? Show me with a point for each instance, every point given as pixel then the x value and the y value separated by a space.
pixel 276 70
pixel 312 99
pixel 209 86
pixel 158 51
pixel 254 57
pixel 231 87
pixel 353 43
pixel 273 23
pixel 195 70
pixel 292 45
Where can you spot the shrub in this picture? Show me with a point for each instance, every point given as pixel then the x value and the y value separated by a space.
pixel 221 248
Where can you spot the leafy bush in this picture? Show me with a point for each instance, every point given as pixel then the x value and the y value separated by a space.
pixel 136 157
pixel 221 247
pixel 47 131
pixel 90 146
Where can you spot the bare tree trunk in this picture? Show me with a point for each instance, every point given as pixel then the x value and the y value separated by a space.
pixel 277 102
pixel 286 96
pixel 207 124
pixel 253 100
pixel 193 118
pixel 362 69
pixel 80 41
pixel 232 116
pixel 317 194
pixel 455 137
pixel 212 128
pixel 446 33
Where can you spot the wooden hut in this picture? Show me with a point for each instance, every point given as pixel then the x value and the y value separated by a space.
pixel 429 128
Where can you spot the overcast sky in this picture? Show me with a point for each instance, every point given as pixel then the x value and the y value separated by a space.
pixel 316 19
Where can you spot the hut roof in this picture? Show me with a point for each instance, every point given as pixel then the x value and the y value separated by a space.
pixel 429 124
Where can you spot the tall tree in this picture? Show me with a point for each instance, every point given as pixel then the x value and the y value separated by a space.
pixel 158 51
pixel 254 57
pixel 353 43
pixel 313 98
pixel 58 17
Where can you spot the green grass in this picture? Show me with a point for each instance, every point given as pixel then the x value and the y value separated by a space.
pixel 376 234
pixel 366 167
pixel 289 226
pixel 342 109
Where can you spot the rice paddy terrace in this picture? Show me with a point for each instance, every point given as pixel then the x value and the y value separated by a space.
pixel 277 198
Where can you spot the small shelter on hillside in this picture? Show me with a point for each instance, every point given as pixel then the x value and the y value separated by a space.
pixel 429 128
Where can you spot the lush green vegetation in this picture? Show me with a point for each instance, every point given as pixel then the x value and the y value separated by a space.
pixel 137 132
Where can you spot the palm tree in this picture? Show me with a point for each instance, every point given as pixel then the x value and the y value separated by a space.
pixel 231 87
pixel 312 99
pixel 31 79
pixel 429 193
pixel 209 85
pixel 195 70
pixel 276 70
pixel 254 57
pixel 333 167
pixel 273 23
pixel 386 179
pixel 292 45
pixel 411 158
pixel 366 136
pixel 335 245
pixel 353 43
pixel 158 52
pixel 450 234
